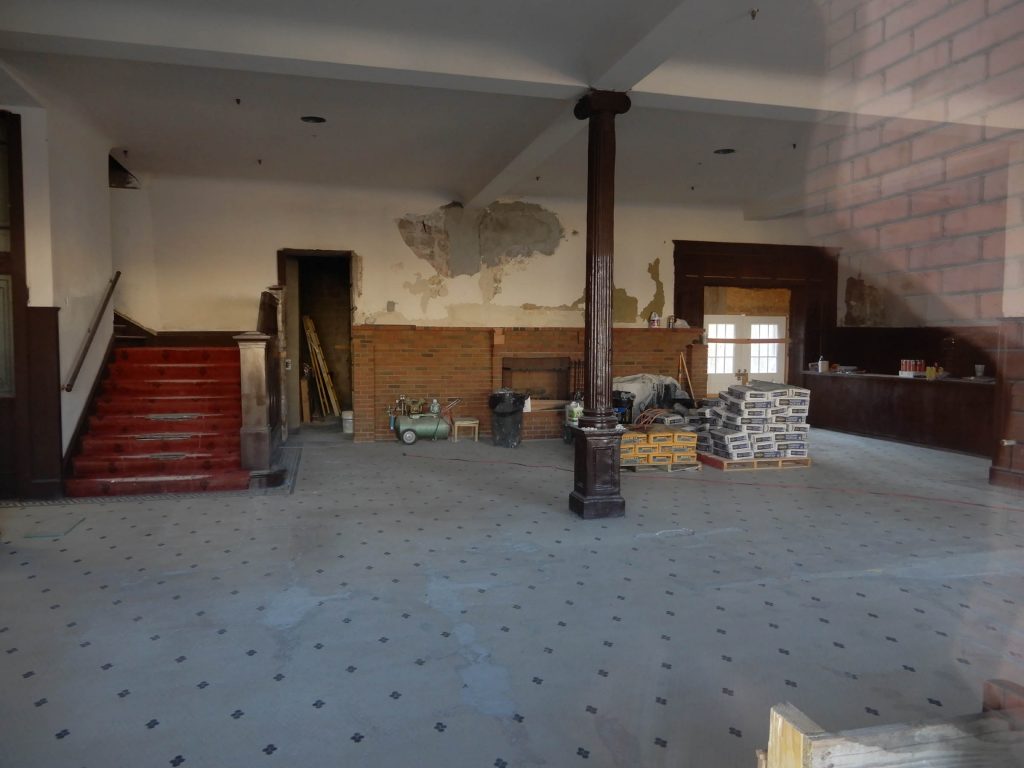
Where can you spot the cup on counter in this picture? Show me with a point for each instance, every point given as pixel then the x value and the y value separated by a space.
pixel 979 370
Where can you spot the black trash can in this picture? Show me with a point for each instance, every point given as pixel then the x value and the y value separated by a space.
pixel 507 417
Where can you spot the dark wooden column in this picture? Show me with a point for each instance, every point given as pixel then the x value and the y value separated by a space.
pixel 596 485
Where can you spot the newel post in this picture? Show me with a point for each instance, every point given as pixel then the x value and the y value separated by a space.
pixel 255 431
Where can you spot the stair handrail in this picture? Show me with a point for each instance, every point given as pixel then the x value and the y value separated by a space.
pixel 91 333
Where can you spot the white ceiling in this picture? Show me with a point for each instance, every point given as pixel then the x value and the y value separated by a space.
pixel 457 97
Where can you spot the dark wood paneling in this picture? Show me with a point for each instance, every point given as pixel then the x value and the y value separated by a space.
pixel 15 425
pixel 809 272
pixel 44 476
pixel 956 415
pixel 1008 461
pixel 879 350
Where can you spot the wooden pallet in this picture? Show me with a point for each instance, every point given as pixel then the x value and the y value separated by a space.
pixel 735 465
pixel 666 467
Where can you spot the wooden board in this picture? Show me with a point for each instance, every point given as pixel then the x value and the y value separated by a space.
pixel 734 465
pixel 992 739
pixel 304 414
pixel 665 467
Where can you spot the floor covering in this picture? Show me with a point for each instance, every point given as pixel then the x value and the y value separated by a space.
pixel 438 605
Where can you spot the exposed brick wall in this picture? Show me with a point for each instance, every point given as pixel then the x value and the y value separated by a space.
pixel 424 362
pixel 926 201
pixel 918 200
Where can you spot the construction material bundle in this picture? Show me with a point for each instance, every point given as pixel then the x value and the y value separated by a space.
pixel 760 420
pixel 659 444
pixel 321 373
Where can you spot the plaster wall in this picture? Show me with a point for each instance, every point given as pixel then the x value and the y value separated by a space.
pixel 214 247
pixel 80 233
pixel 133 252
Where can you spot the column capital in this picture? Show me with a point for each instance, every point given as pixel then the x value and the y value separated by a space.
pixel 595 102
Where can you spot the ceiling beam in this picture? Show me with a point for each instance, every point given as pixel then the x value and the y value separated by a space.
pixel 661 41
pixel 276 65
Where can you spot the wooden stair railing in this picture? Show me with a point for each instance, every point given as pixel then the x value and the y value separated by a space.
pixel 91 333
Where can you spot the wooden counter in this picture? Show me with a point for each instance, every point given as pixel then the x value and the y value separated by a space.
pixel 956 414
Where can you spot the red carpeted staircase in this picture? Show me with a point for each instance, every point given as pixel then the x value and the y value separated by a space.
pixel 166 420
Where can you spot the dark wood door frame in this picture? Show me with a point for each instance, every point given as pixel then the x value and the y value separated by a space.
pixel 297 253
pixel 283 255
pixel 809 272
pixel 34 412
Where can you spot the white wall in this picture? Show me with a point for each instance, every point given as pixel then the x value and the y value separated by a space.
pixel 215 242
pixel 67 233
pixel 80 233
pixel 134 253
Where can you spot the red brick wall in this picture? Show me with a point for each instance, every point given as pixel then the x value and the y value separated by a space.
pixel 918 199
pixel 425 362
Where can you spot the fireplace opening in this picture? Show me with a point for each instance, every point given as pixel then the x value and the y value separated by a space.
pixel 543 378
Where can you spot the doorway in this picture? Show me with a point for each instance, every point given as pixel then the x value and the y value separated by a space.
pixel 318 285
pixel 807 273
pixel 746 330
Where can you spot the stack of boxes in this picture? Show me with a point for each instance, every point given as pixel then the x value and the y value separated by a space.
pixel 659 445
pixel 760 420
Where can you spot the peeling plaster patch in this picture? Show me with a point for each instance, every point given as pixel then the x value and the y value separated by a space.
pixel 490 283
pixel 864 303
pixel 427 237
pixel 656 304
pixel 356 274
pixel 624 306
pixel 432 287
pixel 456 241
pixel 515 231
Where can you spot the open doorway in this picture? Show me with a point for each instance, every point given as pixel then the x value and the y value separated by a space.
pixel 746 330
pixel 808 273
pixel 318 285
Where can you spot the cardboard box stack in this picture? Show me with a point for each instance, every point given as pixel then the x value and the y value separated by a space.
pixel 761 420
pixel 659 444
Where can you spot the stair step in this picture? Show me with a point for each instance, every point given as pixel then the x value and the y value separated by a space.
pixel 124 405
pixel 118 445
pixel 226 372
pixel 237 480
pixel 154 464
pixel 137 424
pixel 167 420
pixel 169 387
pixel 178 355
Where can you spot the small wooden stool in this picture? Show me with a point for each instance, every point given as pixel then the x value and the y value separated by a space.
pixel 465 422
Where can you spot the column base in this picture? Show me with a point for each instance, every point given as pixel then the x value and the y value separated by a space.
pixel 596 492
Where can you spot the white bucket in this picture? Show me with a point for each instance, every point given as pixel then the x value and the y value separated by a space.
pixel 346 422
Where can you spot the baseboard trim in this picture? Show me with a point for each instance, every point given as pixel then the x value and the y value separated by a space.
pixel 1006 478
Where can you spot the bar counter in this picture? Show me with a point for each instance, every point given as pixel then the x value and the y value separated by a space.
pixel 956 414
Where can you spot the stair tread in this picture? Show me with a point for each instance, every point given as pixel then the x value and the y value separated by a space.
pixel 166 420
pixel 156 477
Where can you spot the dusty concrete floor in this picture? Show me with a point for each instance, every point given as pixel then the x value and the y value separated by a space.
pixel 438 605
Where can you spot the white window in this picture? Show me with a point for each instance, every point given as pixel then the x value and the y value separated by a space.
pixel 764 358
pixel 721 354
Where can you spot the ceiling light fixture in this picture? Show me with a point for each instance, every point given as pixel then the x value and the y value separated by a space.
pixel 725 151
pixel 313 119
